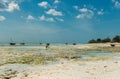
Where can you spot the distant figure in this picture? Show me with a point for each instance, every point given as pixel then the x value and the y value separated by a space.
pixel 47 45
pixel 112 45
pixel 40 43
pixel 12 44
pixel 74 43
pixel 66 43
pixel 22 43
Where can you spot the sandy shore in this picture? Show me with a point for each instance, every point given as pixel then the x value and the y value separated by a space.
pixel 107 69
pixel 64 69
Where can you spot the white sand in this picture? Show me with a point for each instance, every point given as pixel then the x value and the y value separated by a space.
pixel 108 69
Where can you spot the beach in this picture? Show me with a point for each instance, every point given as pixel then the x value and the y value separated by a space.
pixel 59 39
pixel 70 67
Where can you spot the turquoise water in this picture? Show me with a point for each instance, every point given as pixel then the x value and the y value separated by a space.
pixel 40 49
pixel 97 53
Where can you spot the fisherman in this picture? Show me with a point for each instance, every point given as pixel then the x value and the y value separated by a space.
pixel 112 45
pixel 47 45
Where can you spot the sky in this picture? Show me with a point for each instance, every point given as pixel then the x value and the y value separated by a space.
pixel 58 21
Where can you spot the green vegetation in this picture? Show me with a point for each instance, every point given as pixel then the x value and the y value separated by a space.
pixel 105 40
pixel 92 41
pixel 30 59
pixel 52 55
pixel 116 39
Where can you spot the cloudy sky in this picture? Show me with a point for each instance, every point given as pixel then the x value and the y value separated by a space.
pixel 58 20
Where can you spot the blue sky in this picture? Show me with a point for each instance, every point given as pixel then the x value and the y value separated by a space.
pixel 58 20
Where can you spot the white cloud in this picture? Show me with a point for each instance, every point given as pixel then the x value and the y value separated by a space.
pixel 76 7
pixel 43 4
pixel 6 0
pixel 100 12
pixel 30 17
pixel 60 19
pixel 9 6
pixel 43 18
pixel 12 6
pixel 83 10
pixel 113 0
pixel 56 1
pixel 50 19
pixel 54 12
pixel 116 3
pixel 85 13
pixel 2 18
pixel 80 16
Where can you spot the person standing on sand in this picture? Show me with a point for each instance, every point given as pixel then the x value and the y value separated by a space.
pixel 47 45
pixel 112 45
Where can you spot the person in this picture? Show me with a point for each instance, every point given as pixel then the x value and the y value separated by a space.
pixel 112 45
pixel 47 45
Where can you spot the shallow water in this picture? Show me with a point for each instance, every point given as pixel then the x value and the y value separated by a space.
pixel 40 49
pixel 97 53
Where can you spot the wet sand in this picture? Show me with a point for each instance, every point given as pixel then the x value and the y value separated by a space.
pixel 64 69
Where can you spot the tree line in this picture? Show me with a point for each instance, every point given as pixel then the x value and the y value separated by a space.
pixel 105 40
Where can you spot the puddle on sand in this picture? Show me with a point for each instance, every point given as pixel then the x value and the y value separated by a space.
pixel 96 54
